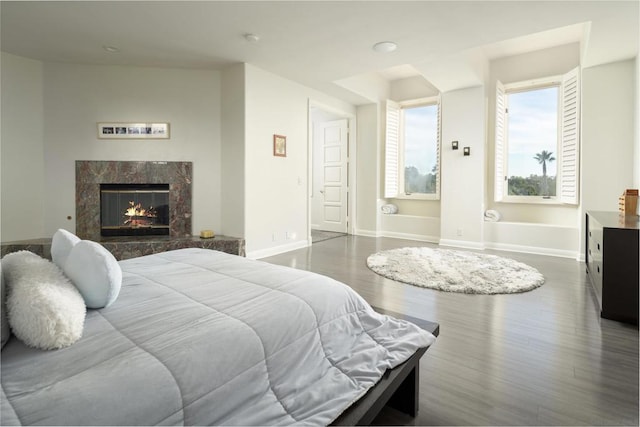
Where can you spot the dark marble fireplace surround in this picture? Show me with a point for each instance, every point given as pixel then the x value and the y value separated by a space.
pixel 90 174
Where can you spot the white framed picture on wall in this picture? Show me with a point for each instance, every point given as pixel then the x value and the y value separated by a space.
pixel 133 130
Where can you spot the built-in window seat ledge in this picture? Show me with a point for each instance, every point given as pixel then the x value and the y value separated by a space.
pixel 131 246
pixel 543 239
pixel 412 227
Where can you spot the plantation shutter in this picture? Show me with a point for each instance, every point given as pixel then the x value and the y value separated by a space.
pixel 500 146
pixel 392 147
pixel 570 137
pixel 438 143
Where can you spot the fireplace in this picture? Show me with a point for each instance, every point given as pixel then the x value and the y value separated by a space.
pixel 175 211
pixel 134 209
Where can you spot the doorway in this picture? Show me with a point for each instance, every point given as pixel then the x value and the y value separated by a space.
pixel 329 172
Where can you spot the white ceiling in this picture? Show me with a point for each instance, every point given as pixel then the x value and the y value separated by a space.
pixel 319 43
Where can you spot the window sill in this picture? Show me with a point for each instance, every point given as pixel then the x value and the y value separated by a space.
pixel 427 197
pixel 532 200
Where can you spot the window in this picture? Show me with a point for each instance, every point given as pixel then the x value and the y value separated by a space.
pixel 537 140
pixel 532 141
pixel 412 152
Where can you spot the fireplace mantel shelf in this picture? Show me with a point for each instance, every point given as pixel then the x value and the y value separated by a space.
pixel 126 247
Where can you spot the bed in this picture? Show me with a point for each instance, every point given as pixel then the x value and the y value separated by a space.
pixel 200 337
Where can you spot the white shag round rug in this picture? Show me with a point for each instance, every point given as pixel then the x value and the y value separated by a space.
pixel 455 271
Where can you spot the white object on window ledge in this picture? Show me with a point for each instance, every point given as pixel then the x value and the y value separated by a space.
pixel 492 216
pixel 389 209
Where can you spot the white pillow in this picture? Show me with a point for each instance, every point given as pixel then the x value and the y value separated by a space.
pixel 61 244
pixel 95 272
pixel 44 309
pixel 6 332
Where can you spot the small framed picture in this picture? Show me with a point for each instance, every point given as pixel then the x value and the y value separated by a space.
pixel 280 145
pixel 133 131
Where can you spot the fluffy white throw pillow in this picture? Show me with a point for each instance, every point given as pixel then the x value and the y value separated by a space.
pixel 61 244
pixel 45 310
pixel 95 272
pixel 6 332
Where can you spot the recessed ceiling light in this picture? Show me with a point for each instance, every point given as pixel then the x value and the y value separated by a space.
pixel 111 49
pixel 251 38
pixel 385 47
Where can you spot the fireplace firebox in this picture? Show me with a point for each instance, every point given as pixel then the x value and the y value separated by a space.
pixel 134 209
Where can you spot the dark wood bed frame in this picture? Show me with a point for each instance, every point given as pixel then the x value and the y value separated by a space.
pixel 399 387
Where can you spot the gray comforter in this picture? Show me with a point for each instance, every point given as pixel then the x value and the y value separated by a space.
pixel 199 337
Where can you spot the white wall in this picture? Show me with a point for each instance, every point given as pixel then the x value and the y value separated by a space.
pixel 368 169
pixel 232 200
pixel 410 227
pixel 76 97
pixel 276 187
pixel 608 128
pixel 22 149
pixel 609 123
pixel 462 184
pixel 276 199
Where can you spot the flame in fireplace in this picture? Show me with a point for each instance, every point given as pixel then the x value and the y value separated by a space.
pixel 137 216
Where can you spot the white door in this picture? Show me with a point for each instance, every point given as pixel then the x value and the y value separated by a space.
pixel 331 180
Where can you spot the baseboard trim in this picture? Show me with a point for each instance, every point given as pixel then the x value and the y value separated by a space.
pixel 276 250
pixel 366 233
pixel 462 244
pixel 409 236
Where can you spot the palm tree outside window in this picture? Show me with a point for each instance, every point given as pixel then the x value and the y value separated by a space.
pixel 542 158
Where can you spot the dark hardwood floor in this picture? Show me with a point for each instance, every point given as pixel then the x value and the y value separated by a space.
pixel 543 357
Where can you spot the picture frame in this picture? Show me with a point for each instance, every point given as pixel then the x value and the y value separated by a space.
pixel 280 145
pixel 133 130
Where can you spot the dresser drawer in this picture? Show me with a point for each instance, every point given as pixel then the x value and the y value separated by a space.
pixel 594 257
pixel 595 273
pixel 594 243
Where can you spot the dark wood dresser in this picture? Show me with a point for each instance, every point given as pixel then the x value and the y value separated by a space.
pixel 612 263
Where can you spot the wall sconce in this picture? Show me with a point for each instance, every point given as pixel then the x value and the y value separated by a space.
pixel 466 151
pixel 454 145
